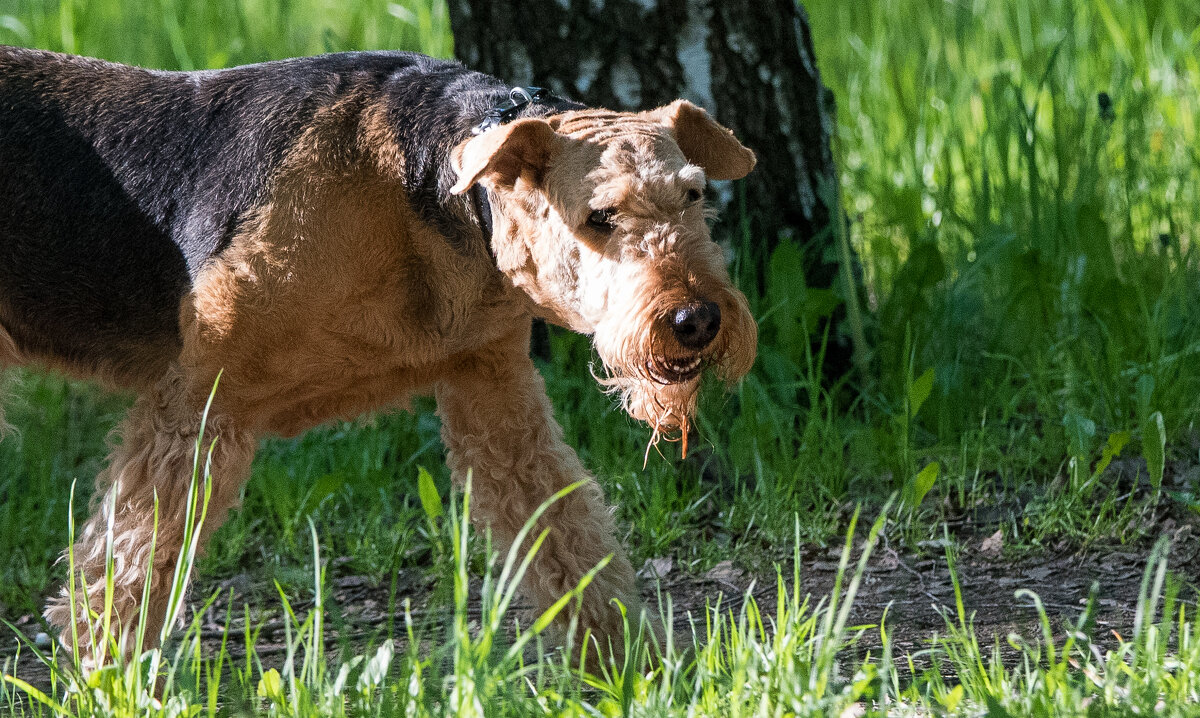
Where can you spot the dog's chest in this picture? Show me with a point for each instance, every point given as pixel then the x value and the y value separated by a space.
pixel 338 299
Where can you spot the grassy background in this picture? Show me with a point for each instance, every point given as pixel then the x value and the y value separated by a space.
pixel 1028 252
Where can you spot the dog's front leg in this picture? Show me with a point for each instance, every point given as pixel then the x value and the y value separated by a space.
pixel 154 462
pixel 498 424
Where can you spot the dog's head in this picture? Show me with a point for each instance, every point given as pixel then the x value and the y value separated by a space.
pixel 599 217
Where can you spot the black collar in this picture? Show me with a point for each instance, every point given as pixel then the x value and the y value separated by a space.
pixel 483 210
pixel 518 99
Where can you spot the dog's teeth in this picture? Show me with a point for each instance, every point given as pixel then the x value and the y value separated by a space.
pixel 678 370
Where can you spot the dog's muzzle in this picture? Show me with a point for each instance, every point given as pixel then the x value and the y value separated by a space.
pixel 696 325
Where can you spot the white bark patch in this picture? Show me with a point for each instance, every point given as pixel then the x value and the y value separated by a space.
pixel 589 68
pixel 626 83
pixel 693 56
pixel 724 191
pixel 736 42
pixel 807 193
pixel 810 67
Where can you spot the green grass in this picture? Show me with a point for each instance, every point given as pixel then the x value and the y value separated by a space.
pixel 792 656
pixel 1029 245
pixel 1030 271
pixel 187 34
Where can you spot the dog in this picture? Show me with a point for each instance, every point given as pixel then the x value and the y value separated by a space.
pixel 330 236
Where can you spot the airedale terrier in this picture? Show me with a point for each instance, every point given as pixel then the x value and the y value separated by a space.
pixel 333 235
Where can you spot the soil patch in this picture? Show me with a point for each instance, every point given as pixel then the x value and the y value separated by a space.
pixel 916 589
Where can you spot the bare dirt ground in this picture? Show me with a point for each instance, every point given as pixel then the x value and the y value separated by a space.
pixel 915 588
pixel 917 591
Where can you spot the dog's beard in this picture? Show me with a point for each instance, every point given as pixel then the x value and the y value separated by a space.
pixel 643 368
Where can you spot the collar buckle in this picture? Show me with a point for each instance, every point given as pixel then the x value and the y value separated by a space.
pixel 518 99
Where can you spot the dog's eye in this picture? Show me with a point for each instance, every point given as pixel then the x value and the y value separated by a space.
pixel 693 195
pixel 602 219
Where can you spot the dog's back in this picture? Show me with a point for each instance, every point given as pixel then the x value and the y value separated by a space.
pixel 118 183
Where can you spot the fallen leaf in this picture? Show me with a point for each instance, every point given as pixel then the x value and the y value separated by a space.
pixel 724 572
pixel 888 561
pixel 352 582
pixel 1184 545
pixel 657 567
pixel 993 545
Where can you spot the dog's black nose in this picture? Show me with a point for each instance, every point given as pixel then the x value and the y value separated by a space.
pixel 695 325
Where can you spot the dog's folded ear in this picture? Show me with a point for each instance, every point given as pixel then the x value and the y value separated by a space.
pixel 504 153
pixel 704 141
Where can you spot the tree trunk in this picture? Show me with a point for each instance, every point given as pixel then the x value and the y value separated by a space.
pixel 749 62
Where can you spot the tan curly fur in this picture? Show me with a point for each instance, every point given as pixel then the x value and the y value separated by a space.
pixel 152 463
pixel 621 288
pixel 335 298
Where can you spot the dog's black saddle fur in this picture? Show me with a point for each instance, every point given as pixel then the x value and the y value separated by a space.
pixel 117 183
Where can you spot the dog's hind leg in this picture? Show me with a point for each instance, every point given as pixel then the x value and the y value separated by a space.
pixel 150 471
pixel 498 424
